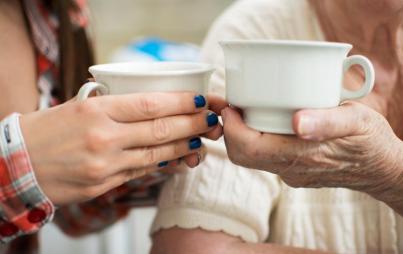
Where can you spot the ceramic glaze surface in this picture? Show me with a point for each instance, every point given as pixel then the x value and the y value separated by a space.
pixel 124 78
pixel 270 80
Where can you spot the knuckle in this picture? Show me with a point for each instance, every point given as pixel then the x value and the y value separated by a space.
pixel 94 171
pixel 366 118
pixel 87 107
pixel 161 129
pixel 97 140
pixel 151 156
pixel 148 106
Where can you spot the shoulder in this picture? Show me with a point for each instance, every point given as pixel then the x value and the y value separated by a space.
pixel 262 19
pixel 258 19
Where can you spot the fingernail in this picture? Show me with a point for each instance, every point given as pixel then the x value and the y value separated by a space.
pixel 306 127
pixel 212 119
pixel 195 143
pixel 200 101
pixel 163 164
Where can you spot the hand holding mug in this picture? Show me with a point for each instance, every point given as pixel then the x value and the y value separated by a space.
pixel 83 148
pixel 271 80
pixel 80 150
pixel 338 147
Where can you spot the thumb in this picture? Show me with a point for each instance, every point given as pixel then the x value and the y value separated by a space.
pixel 348 119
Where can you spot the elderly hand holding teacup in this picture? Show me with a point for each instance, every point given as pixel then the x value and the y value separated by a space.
pixel 350 146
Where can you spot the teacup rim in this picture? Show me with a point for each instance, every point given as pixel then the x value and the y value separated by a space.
pixel 306 43
pixel 203 68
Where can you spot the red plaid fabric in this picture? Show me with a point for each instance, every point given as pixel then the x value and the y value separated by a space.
pixel 23 207
pixel 97 214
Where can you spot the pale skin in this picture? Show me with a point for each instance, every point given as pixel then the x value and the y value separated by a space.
pixel 80 150
pixel 357 146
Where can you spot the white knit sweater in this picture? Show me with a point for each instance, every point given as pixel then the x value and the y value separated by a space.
pixel 258 206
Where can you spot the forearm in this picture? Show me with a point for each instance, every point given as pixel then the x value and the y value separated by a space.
pixel 393 196
pixel 197 241
pixel 390 189
pixel 267 248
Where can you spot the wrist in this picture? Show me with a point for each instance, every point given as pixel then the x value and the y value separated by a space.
pixel 25 208
pixel 389 189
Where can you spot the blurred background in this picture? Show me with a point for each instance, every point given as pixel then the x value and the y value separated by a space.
pixel 115 23
pixel 114 27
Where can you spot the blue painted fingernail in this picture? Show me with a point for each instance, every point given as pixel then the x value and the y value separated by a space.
pixel 195 143
pixel 212 119
pixel 163 164
pixel 200 101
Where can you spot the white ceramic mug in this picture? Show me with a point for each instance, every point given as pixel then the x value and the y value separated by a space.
pixel 270 80
pixel 136 77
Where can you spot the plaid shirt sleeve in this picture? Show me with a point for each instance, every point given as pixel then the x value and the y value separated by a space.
pixel 23 206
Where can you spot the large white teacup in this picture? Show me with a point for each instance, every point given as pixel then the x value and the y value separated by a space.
pixel 135 77
pixel 270 80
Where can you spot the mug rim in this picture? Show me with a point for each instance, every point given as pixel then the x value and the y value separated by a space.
pixel 198 68
pixel 303 43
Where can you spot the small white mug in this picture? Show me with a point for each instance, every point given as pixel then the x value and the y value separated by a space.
pixel 271 79
pixel 138 77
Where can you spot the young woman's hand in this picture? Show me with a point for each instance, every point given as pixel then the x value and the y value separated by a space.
pixel 80 150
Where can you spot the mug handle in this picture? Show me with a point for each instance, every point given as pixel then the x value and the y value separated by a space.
pixel 369 77
pixel 89 87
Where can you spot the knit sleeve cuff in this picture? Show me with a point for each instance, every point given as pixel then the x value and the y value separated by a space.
pixel 189 218
pixel 219 196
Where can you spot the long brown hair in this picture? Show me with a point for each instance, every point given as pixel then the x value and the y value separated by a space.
pixel 76 53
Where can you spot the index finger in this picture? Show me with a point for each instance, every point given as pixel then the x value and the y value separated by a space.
pixel 262 146
pixel 146 106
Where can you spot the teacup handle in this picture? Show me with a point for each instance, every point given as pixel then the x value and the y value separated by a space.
pixel 369 77
pixel 90 87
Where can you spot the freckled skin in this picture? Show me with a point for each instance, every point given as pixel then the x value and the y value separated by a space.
pixel 385 6
pixel 380 39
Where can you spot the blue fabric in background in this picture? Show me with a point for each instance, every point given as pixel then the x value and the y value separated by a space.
pixel 156 49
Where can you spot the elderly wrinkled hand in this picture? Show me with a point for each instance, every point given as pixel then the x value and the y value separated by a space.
pixel 348 146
